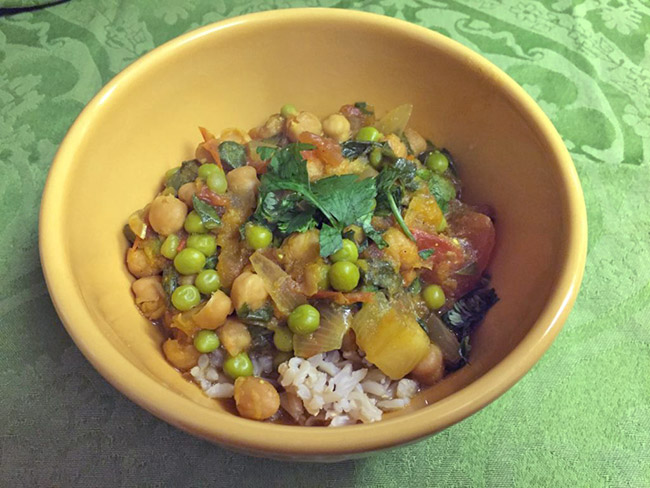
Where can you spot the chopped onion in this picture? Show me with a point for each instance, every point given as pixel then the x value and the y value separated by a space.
pixel 444 338
pixel 334 323
pixel 395 121
pixel 283 289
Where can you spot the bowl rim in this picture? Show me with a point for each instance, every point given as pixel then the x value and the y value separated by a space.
pixel 281 440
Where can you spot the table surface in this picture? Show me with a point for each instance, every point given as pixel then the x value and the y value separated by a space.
pixel 581 416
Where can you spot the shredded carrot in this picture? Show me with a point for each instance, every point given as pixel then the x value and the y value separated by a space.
pixel 136 243
pixel 206 134
pixel 181 244
pixel 212 146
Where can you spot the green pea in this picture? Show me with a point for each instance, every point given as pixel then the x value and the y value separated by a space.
pixel 434 297
pixel 217 182
pixel 186 297
pixel 258 236
pixel 169 246
pixel 189 261
pixel 304 320
pixel 194 224
pixel 344 276
pixel 288 110
pixel 349 252
pixel 207 169
pixel 283 339
pixel 437 162
pixel 375 158
pixel 369 134
pixel 239 365
pixel 206 243
pixel 208 281
pixel 206 341
pixel 171 172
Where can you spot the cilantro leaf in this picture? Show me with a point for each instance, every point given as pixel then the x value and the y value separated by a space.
pixel 207 213
pixel 442 190
pixel 363 106
pixel 330 240
pixel 266 152
pixel 426 253
pixel 345 197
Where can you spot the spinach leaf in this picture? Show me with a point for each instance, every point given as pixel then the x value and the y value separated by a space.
pixel 128 233
pixel 259 317
pixel 355 149
pixel 382 275
pixel 187 173
pixel 207 213
pixel 470 309
pixel 232 154
pixel 211 262
pixel 170 280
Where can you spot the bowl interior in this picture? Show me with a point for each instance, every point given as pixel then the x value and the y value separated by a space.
pixel 235 75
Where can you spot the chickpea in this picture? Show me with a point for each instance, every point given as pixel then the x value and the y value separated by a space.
pixel 167 214
pixel 431 369
pixel 235 135
pixel 248 288
pixel 303 122
pixel 181 356
pixel 337 127
pixel 140 265
pixel 214 312
pixel 234 336
pixel 397 146
pixel 256 398
pixel 186 192
pixel 243 181
pixel 149 296
pixel 416 141
pixel 272 127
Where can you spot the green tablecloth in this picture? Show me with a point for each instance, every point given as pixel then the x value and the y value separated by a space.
pixel 580 417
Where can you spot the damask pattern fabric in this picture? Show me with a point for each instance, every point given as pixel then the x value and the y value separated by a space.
pixel 581 417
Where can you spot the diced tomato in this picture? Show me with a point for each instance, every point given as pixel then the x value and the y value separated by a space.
pixel 327 150
pixel 478 231
pixel 445 248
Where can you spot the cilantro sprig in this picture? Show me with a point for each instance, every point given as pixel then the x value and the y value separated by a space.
pixel 291 203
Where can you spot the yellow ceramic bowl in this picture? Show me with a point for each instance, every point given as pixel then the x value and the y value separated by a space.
pixel 235 73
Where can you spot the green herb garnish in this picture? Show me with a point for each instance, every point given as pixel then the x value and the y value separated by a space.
pixel 426 253
pixel 290 203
